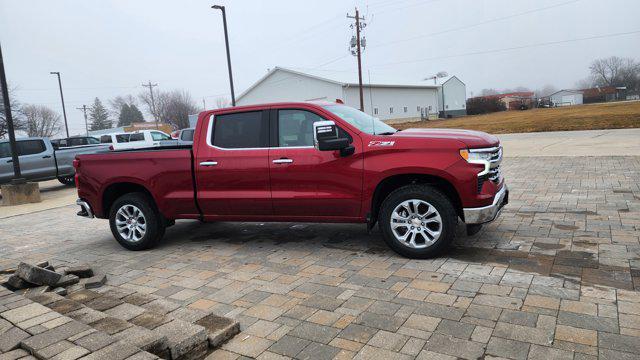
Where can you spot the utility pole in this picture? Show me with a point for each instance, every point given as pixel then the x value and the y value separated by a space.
pixel 226 41
pixel 17 176
pixel 153 103
pixel 204 104
pixel 358 51
pixel 86 126
pixel 64 111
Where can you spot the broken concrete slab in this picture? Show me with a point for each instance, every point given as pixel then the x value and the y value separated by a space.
pixel 82 271
pixel 15 282
pixel 67 280
pixel 185 339
pixel 219 328
pixel 37 275
pixel 146 340
pixel 11 338
pixel 95 281
pixel 60 291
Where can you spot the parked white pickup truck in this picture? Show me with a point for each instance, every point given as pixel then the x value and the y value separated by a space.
pixel 143 139
pixel 39 161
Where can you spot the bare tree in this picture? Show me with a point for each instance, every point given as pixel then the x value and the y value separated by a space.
pixel 222 102
pixel 545 91
pixel 16 111
pixel 615 71
pixel 41 121
pixel 585 83
pixel 171 107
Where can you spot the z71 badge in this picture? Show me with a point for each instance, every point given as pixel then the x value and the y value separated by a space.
pixel 381 143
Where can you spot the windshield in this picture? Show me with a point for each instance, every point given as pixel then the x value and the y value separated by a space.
pixel 364 122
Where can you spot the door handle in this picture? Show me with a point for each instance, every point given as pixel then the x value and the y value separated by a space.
pixel 9 161
pixel 46 156
pixel 282 161
pixel 208 163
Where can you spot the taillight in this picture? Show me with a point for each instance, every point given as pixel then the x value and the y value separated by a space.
pixel 111 147
pixel 76 163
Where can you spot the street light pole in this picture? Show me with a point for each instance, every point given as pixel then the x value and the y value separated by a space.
pixel 64 111
pixel 17 176
pixel 86 124
pixel 226 41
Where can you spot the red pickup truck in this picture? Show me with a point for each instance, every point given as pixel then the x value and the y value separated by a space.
pixel 301 162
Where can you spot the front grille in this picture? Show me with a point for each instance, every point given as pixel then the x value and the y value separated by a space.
pixel 494 174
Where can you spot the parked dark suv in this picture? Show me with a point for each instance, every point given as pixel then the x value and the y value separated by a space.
pixel 75 141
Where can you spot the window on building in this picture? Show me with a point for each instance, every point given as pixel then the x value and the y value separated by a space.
pixel 405 109
pixel 241 130
pixel 375 111
pixel 391 110
pixel 295 127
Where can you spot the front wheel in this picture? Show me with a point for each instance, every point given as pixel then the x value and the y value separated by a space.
pixel 135 222
pixel 418 221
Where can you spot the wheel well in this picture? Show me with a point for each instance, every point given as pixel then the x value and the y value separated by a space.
pixel 114 191
pixel 386 186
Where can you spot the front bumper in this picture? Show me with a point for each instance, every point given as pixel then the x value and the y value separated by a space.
pixel 485 214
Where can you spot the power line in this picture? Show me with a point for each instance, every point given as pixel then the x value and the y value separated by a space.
pixel 481 52
pixel 501 18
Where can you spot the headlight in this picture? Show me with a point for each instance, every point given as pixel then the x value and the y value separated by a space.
pixel 478 157
pixel 475 156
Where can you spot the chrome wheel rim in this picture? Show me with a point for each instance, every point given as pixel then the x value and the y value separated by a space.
pixel 416 224
pixel 131 223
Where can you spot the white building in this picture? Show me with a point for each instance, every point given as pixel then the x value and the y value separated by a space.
pixel 566 98
pixel 385 101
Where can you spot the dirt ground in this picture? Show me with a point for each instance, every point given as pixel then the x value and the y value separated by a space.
pixel 619 115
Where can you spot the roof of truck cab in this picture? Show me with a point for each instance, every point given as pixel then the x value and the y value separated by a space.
pixel 285 103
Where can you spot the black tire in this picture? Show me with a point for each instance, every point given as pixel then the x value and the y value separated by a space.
pixel 434 197
pixel 68 180
pixel 154 221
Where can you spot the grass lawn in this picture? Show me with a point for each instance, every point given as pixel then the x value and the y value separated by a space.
pixel 618 115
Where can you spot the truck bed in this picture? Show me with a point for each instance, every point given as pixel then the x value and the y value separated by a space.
pixel 166 172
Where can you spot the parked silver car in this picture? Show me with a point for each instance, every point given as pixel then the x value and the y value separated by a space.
pixel 39 160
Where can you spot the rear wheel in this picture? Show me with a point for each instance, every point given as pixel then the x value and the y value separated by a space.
pixel 135 222
pixel 67 180
pixel 418 221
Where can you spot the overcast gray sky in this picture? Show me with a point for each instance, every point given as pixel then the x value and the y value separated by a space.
pixel 107 48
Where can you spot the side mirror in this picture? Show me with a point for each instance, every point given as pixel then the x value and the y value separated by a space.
pixel 325 136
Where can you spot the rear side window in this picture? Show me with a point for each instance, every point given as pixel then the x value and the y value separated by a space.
pixel 136 137
pixel 30 147
pixel 186 135
pixel 105 139
pixel 122 138
pixel 93 140
pixel 241 130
